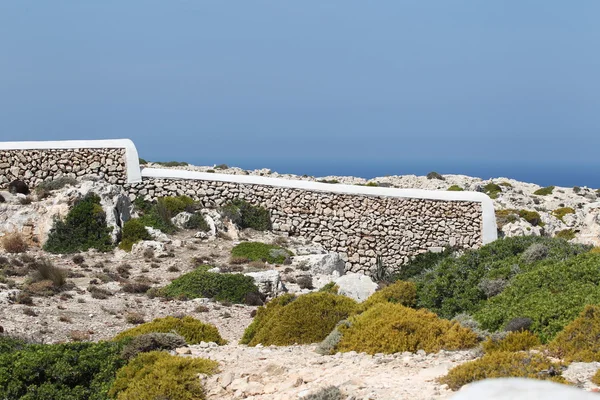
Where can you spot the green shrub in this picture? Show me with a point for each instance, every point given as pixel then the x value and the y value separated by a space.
pixel 246 215
pixel 178 204
pixel 544 191
pixel 566 234
pixel 142 161
pixel 83 228
pixel 535 252
pixel 452 286
pixel 506 184
pixel 9 344
pixel 399 292
pixel 455 188
pixel 171 163
pixel 222 287
pixel 133 231
pixel 331 181
pixel 256 251
pixel 331 287
pixel 198 222
pixel 533 217
pixel 580 339
pixel 56 184
pixel 191 329
pixel 514 341
pixel 305 319
pixel 492 190
pixel 502 364
pixel 60 371
pixel 435 175
pixel 151 342
pixel 326 393
pixel 421 263
pixel 552 293
pixel 504 217
pixel 157 215
pixel 561 212
pixel 159 375
pixel 392 328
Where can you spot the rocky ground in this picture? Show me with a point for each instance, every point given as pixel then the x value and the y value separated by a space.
pixel 245 372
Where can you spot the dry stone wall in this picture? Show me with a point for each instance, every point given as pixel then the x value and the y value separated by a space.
pixel 35 166
pixel 360 227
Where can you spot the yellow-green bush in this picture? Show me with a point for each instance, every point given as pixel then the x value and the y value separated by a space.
pixel 391 328
pixel 502 364
pixel 579 340
pixel 400 292
pixel 514 341
pixel 159 375
pixel 595 250
pixel 192 330
pixel 305 319
pixel 561 212
pixel 596 378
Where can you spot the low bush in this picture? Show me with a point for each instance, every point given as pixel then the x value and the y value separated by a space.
pixel 422 262
pixel 159 375
pixel 455 188
pixel 71 371
pixel 507 216
pixel 256 251
pixel 133 231
pixel 503 364
pixel 191 329
pixel 435 175
pixel 399 292
pixel 452 286
pixel 246 215
pixel 566 234
pixel 178 204
pixel 326 393
pixel 45 271
pixel 198 222
pixel 392 328
pixel 492 190
pixel 56 184
pixel 545 191
pixel 83 228
pixel 533 217
pixel 534 253
pixel 14 243
pixel 551 294
pixel 561 212
pixel 580 339
pixel 152 342
pixel 221 287
pixel 9 344
pixel 304 319
pixel 514 341
pixel 171 163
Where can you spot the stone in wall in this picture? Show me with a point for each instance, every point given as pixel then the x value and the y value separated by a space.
pixel 359 227
pixel 35 166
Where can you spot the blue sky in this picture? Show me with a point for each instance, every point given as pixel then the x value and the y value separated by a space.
pixel 337 84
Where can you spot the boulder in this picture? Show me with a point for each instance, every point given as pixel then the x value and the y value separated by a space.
pixel 160 249
pixel 356 286
pixel 181 219
pixel 157 234
pixel 521 228
pixel 268 282
pixel 322 264
pixel 521 389
pixel 18 186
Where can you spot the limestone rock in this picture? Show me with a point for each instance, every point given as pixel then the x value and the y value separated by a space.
pixel 181 219
pixel 268 282
pixel 356 286
pixel 521 389
pixel 160 249
pixel 322 264
pixel 158 235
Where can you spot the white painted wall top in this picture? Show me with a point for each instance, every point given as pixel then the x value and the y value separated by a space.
pixel 131 155
pixel 489 233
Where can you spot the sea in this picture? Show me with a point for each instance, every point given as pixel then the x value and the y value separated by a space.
pixel 543 174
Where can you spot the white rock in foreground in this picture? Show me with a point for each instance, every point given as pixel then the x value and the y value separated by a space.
pixel 268 282
pixel 357 286
pixel 521 389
